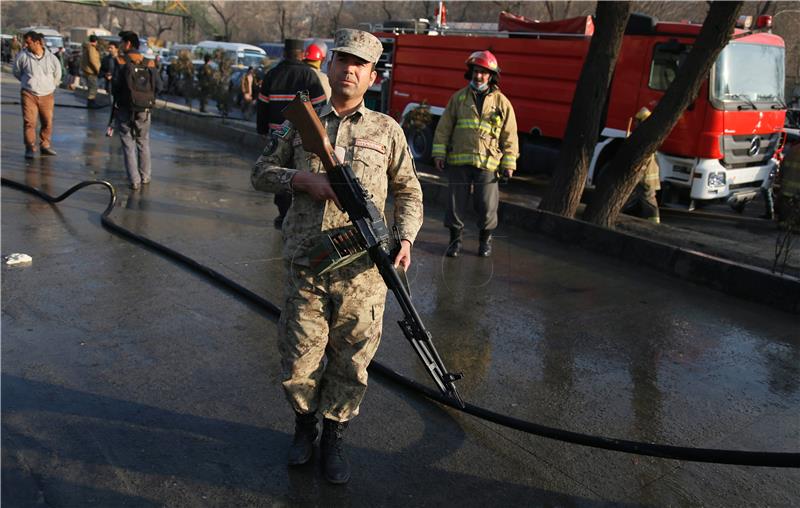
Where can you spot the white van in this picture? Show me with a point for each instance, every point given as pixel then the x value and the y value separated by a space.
pixel 242 55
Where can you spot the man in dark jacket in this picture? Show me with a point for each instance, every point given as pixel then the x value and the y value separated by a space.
pixel 108 64
pixel 133 124
pixel 279 87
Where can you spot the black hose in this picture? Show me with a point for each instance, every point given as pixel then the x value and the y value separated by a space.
pixel 733 457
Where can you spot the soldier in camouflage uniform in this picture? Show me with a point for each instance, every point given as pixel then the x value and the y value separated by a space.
pixel 205 76
pixel 331 324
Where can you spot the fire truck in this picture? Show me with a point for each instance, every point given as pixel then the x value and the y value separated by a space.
pixel 721 148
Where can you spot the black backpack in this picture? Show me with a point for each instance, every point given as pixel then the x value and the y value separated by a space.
pixel 141 82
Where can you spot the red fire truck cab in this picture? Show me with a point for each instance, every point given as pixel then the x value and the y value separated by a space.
pixel 721 148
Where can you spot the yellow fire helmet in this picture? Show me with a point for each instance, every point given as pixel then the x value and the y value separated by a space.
pixel 642 115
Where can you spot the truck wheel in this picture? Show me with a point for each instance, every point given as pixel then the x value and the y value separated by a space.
pixel 420 142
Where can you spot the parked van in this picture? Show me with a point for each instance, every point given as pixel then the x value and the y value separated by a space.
pixel 242 55
pixel 52 39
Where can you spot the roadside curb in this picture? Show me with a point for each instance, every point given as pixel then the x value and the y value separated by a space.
pixel 732 278
pixel 228 130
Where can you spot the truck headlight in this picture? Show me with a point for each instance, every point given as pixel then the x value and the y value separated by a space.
pixel 716 179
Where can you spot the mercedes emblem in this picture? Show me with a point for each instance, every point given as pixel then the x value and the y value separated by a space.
pixel 755 145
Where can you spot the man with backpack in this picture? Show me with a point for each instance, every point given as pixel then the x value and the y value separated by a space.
pixel 134 86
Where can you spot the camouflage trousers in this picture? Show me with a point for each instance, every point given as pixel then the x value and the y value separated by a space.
pixel 329 331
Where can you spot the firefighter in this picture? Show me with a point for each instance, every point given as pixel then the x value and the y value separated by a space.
pixel 643 201
pixel 477 139
pixel 313 57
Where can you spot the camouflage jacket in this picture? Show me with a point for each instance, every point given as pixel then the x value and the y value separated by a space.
pixel 375 146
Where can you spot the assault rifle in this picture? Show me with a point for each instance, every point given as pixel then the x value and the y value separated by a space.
pixel 373 235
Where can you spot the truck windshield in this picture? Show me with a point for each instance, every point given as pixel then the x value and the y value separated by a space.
pixel 749 74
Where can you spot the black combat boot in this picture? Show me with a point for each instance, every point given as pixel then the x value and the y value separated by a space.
pixel 335 465
pixel 485 247
pixel 455 243
pixel 305 433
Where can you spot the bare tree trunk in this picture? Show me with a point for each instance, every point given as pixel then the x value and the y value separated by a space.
pixel 337 17
pixel 567 5
pixel 161 28
pixel 226 20
pixel 583 126
pixel 282 22
pixel 625 169
pixel 550 10
pixel 143 24
pixel 386 10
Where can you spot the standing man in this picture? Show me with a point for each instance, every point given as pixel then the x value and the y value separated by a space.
pixel 279 87
pixel 478 135
pixel 313 57
pixel 108 65
pixel 132 115
pixel 248 81
pixel 205 76
pixel 39 73
pixel 90 66
pixel 331 324
pixel 61 55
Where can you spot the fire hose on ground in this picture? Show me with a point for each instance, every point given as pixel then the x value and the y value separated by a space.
pixel 710 455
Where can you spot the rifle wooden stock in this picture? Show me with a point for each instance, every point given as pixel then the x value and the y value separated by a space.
pixel 315 139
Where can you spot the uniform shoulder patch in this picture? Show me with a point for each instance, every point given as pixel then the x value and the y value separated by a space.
pixel 284 130
pixel 366 143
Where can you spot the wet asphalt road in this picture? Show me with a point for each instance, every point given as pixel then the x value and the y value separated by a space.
pixel 129 381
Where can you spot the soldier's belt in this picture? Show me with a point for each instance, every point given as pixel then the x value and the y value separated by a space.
pixel 335 250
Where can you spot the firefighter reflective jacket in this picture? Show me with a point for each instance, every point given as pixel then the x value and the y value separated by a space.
pixel 487 140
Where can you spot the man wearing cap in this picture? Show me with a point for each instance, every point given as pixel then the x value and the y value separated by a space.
pixel 90 66
pixel 279 87
pixel 331 324
pixel 477 134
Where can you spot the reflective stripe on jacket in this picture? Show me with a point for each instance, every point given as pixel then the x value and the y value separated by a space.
pixel 487 140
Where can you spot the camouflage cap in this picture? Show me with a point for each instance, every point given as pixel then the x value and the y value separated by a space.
pixel 364 45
